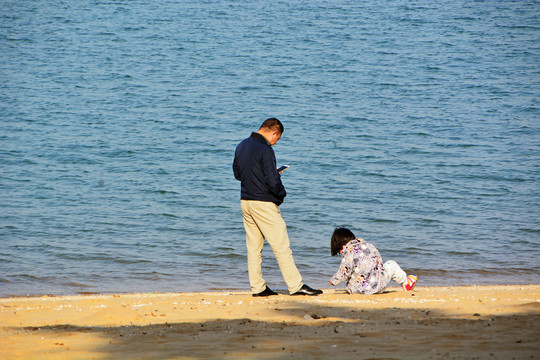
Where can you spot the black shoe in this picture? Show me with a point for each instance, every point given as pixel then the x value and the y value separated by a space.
pixel 266 292
pixel 306 290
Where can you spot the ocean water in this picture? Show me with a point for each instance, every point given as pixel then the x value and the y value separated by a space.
pixel 414 123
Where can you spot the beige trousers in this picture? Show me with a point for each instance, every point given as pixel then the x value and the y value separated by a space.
pixel 262 220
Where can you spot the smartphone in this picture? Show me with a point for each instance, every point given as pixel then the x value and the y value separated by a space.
pixel 282 168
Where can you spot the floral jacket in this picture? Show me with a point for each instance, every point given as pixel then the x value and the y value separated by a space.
pixel 362 267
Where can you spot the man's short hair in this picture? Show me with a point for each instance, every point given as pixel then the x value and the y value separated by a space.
pixel 272 123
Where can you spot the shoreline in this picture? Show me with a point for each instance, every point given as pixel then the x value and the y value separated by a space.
pixel 338 289
pixel 462 322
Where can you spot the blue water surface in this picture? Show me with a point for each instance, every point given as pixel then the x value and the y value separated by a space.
pixel 414 123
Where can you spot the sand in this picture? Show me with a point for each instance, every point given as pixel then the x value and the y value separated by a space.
pixel 477 322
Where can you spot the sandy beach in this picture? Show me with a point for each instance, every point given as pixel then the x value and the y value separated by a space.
pixel 478 322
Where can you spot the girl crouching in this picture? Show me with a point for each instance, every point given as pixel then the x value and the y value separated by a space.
pixel 362 266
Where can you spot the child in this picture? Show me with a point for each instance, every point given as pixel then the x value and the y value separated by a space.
pixel 362 267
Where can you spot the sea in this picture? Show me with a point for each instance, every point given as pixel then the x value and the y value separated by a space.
pixel 414 123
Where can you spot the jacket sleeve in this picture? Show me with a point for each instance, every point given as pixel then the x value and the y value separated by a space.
pixel 272 177
pixel 345 269
pixel 235 166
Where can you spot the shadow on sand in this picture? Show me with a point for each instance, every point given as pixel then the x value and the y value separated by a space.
pixel 321 332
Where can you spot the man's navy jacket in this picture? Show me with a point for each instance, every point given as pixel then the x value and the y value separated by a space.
pixel 255 166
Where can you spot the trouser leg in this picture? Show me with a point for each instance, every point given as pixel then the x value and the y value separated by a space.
pixel 267 217
pixel 254 246
pixel 392 271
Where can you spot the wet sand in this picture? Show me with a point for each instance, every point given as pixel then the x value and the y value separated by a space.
pixel 478 322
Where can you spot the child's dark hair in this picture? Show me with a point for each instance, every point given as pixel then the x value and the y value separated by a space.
pixel 340 238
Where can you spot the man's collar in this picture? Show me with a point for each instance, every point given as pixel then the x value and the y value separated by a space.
pixel 260 136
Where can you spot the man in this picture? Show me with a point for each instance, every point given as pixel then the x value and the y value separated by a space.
pixel 261 194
